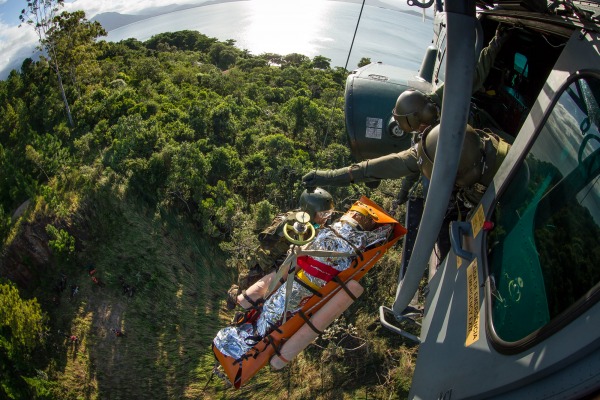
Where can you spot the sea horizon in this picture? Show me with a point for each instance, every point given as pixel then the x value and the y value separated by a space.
pixel 379 30
pixel 259 27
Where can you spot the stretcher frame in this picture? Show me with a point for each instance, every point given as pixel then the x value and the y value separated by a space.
pixel 239 371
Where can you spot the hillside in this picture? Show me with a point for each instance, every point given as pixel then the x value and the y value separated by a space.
pixel 148 205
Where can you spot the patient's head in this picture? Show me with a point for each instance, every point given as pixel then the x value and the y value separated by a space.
pixel 360 216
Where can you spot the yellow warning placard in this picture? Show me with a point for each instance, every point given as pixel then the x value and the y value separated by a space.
pixel 472 304
pixel 477 221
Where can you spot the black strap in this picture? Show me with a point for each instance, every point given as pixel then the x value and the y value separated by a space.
pixel 356 249
pixel 253 340
pixel 253 303
pixel 237 382
pixel 310 324
pixel 274 327
pixel 271 341
pixel 256 353
pixel 308 287
pixel 240 318
pixel 343 286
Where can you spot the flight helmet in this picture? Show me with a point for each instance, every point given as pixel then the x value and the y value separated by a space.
pixel 470 166
pixel 414 108
pixel 316 201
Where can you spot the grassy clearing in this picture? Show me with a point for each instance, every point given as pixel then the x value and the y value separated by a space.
pixel 169 323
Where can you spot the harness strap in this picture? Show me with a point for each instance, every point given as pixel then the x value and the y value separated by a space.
pixel 254 304
pixel 308 287
pixel 252 340
pixel 256 353
pixel 239 318
pixel 310 324
pixel 271 341
pixel 365 210
pixel 274 327
pixel 237 382
pixel 343 286
pixel 356 249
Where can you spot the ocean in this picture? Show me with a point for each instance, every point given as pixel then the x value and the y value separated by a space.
pixel 311 28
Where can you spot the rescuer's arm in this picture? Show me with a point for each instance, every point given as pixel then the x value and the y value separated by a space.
pixel 391 166
pixel 487 57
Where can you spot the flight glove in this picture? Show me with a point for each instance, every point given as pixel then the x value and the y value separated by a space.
pixel 334 177
pixel 402 197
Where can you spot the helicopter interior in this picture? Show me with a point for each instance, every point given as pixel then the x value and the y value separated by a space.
pixel 517 76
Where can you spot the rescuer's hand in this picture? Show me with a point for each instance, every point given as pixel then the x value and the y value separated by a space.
pixel 402 197
pixel 335 177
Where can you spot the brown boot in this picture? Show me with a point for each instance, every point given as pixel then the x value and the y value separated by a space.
pixel 232 295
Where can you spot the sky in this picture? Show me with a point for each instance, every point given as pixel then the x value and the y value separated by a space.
pixel 16 43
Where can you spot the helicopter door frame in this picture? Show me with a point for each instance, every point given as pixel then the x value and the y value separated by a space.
pixel 458 356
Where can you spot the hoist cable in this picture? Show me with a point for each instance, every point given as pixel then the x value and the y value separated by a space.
pixel 345 68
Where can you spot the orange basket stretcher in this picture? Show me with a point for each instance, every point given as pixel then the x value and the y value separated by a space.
pixel 239 371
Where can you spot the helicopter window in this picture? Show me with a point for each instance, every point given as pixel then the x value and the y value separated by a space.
pixel 545 249
pixel 521 65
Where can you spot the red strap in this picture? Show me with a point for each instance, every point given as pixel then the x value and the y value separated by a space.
pixel 317 268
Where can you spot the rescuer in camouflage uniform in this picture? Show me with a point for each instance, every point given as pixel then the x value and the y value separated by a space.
pixel 415 111
pixel 273 247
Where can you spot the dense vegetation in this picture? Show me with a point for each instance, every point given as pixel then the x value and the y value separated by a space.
pixel 181 149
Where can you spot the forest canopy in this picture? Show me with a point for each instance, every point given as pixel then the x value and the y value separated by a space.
pixel 183 120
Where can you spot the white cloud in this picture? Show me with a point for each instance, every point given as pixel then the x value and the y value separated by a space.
pixel 16 44
pixel 93 7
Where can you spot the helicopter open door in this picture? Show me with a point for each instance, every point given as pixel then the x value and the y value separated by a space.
pixel 516 315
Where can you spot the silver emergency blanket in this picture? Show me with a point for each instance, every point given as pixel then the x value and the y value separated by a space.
pixel 235 341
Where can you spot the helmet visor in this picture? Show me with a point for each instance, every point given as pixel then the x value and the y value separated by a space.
pixel 404 121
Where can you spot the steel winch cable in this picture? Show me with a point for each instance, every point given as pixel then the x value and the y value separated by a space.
pixel 345 68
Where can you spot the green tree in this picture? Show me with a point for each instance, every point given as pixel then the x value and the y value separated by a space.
pixel 72 37
pixel 302 111
pixel 61 242
pixel 295 59
pixel 182 40
pixel 321 62
pixel 223 56
pixel 41 15
pixel 364 61
pixel 21 331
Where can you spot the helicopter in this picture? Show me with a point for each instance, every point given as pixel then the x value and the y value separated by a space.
pixel 513 310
